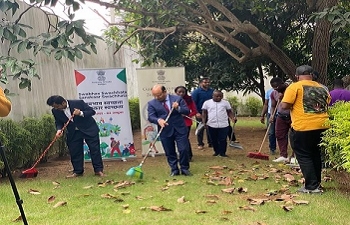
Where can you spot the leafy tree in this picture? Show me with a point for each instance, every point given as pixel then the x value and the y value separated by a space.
pixel 56 41
pixel 270 34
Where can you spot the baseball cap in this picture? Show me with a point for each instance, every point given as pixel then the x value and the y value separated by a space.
pixel 304 70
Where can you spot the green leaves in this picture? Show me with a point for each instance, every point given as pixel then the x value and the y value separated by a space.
pixel 336 140
pixel 24 70
pixel 58 42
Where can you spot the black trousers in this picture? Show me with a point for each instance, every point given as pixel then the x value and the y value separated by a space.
pixel 306 147
pixel 219 139
pixel 76 150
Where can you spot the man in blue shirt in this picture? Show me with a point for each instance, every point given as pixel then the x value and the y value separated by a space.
pixel 199 96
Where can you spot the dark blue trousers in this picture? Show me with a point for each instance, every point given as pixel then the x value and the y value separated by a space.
pixel 168 144
pixel 76 151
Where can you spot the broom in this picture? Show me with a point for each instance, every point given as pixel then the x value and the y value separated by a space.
pixel 199 127
pixel 259 155
pixel 137 170
pixel 32 172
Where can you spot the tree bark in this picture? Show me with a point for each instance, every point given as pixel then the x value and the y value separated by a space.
pixel 321 41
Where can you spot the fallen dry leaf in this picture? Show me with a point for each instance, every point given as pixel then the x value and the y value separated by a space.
pixel 211 201
pixel 227 181
pixel 61 203
pixel 125 193
pixel 159 208
pixel 17 219
pixel 108 196
pixel 123 184
pixel 139 198
pixel 289 177
pixel 212 197
pixel 228 190
pixel 164 188
pixel 126 206
pixel 102 184
pixel 88 187
pixel 301 202
pixel 181 200
pixel 33 192
pixel 257 201
pixel 247 208
pixel 211 183
pixel 55 183
pixel 225 212
pixel 287 208
pixel 224 219
pixel 218 167
pixel 200 211
pixel 51 199
pixel 118 200
pixel 175 183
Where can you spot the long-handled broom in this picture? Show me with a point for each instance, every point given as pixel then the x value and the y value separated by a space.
pixel 32 172
pixel 235 145
pixel 199 127
pixel 259 155
pixel 137 170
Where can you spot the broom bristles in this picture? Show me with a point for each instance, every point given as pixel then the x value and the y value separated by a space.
pixel 29 173
pixel 258 155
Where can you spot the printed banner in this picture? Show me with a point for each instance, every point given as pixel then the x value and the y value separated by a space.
pixel 105 90
pixel 170 77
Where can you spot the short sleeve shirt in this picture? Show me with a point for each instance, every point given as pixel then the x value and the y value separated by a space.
pixel 309 102
pixel 217 113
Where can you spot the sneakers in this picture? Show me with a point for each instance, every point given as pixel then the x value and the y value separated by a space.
pixel 281 159
pixel 315 191
pixel 293 160
pixel 272 152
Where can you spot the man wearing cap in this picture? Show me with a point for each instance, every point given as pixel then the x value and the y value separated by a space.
pixel 308 102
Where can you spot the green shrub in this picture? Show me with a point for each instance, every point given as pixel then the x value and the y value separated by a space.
pixel 16 142
pixel 234 102
pixel 254 105
pixel 336 140
pixel 134 113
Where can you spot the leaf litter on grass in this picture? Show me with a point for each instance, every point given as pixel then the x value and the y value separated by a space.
pixel 222 175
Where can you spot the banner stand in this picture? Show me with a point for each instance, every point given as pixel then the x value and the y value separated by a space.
pixel 105 90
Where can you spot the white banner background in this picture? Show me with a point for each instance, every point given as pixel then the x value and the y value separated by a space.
pixel 170 77
pixel 105 90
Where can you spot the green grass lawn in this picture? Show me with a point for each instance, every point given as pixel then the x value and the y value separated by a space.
pixel 205 200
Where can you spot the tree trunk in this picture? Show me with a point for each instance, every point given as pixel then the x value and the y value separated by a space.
pixel 321 41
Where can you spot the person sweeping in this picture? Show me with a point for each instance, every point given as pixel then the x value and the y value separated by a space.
pixel 174 130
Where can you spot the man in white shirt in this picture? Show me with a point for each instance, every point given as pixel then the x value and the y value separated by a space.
pixel 216 112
